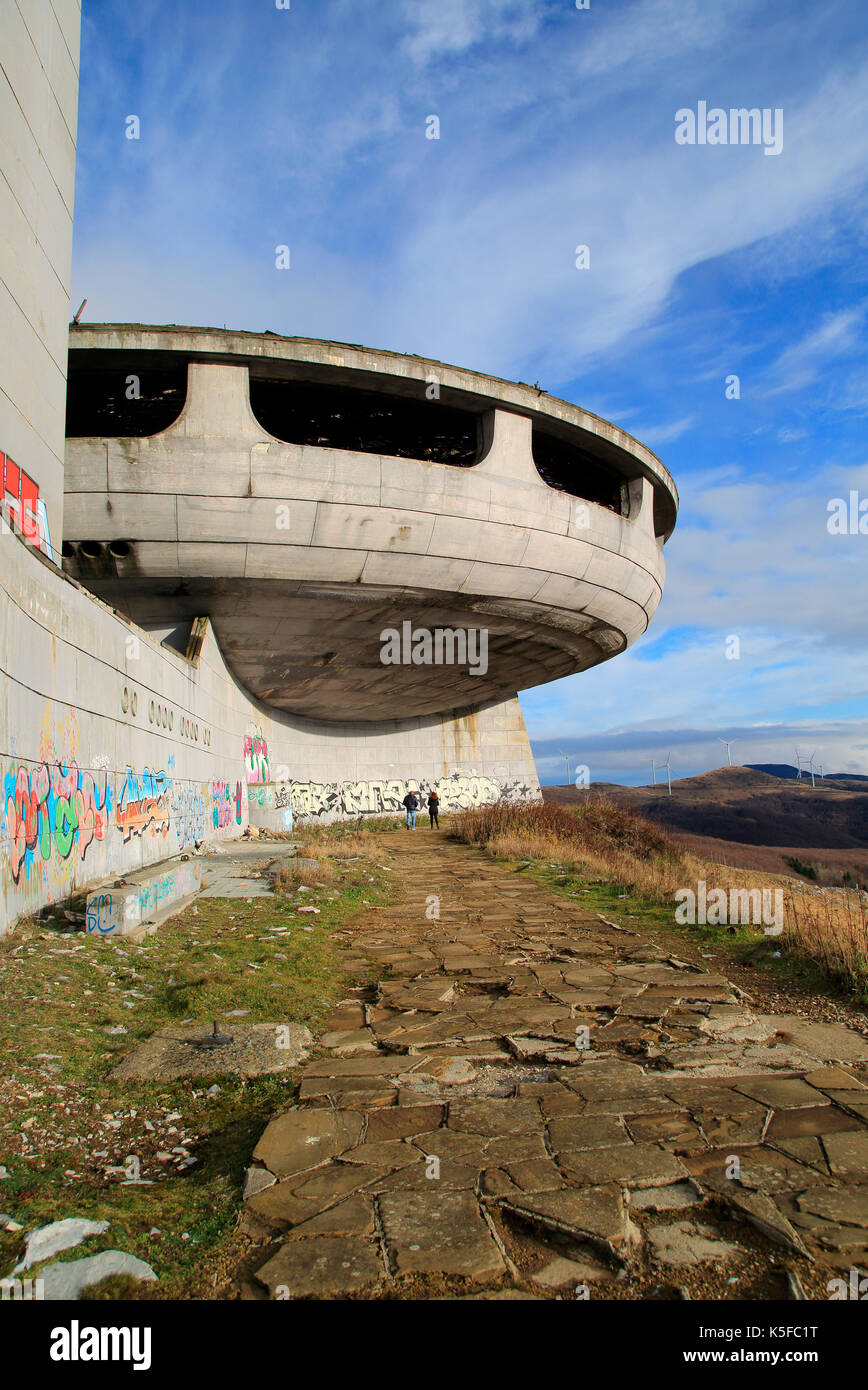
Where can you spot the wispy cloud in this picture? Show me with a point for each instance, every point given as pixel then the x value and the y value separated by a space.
pixel 839 335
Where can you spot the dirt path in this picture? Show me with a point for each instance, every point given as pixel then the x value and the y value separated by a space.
pixel 532 1101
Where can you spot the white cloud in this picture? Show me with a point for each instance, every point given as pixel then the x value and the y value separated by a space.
pixel 800 364
pixel 664 434
pixel 439 28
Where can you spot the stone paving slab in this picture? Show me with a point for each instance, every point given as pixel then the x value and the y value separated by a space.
pixel 471 1130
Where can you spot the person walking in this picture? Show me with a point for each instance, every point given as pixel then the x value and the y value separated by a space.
pixel 433 809
pixel 411 802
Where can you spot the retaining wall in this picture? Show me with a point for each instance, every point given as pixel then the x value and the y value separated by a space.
pixel 116 752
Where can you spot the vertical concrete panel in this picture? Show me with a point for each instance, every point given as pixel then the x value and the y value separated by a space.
pixel 38 112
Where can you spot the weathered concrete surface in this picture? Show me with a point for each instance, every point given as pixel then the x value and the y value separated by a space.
pixel 327 548
pixel 656 1154
pixel 38 117
pixel 256 1049
pixel 143 900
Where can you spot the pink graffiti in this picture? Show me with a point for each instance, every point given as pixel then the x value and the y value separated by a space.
pixel 221 804
pixel 256 758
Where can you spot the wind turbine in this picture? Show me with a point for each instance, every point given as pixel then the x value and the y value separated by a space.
pixel 654 771
pixel 566 758
pixel 727 743
pixel 811 766
pixel 799 761
pixel 668 767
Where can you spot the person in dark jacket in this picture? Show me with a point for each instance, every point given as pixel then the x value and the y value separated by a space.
pixel 433 809
pixel 411 802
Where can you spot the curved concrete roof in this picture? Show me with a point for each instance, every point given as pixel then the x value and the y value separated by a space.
pixel 345 363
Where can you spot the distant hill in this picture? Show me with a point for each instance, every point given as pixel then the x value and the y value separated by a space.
pixel 747 805
pixel 784 770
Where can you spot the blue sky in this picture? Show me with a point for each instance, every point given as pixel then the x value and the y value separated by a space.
pixel 306 127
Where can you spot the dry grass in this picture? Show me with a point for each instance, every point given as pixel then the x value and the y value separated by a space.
pixel 318 873
pixel 601 842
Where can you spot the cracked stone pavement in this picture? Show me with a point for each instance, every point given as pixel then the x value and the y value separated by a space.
pixel 451 1139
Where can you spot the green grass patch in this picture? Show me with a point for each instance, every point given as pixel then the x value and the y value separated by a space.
pixel 65 1121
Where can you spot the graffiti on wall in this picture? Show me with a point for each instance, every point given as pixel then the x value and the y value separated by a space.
pixel 222 802
pixel 256 758
pixel 457 792
pixel 52 809
pixel 144 804
pixel 99 914
pixel 190 811
pixel 23 508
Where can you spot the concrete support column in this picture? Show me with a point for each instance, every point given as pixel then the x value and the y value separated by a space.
pixel 507 451
pixel 217 405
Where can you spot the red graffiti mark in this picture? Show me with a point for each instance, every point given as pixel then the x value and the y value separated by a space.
pixel 21 500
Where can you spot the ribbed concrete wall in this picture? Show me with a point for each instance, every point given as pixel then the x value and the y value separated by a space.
pixel 118 752
pixel 39 46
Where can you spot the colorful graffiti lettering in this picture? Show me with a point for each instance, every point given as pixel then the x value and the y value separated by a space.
pixel 190 809
pixel 52 809
pixel 144 803
pixel 221 804
pixel 256 758
pixel 23 506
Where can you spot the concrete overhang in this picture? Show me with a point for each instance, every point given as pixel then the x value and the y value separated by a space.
pixel 186 522
pixel 401 374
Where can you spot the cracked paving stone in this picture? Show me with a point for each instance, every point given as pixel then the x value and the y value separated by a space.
pixel 516 1148
pixel 452 1177
pixel 439 1233
pixel 354 1217
pixel 766 1216
pixel 345 1043
pixel 301 1139
pixel 571 1132
pixel 452 1145
pixel 779 1093
pixel 731 1129
pixel 337 1180
pixel 536 1175
pixel 403 1121
pixel 807 1149
pixel 384 1153
pixel 796 1124
pixel 847 1206
pixel 494 1117
pixel 847 1154
pixel 835 1079
pixel 665 1129
pixel 337 1265
pixel 595 1214
pixel 637 1165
